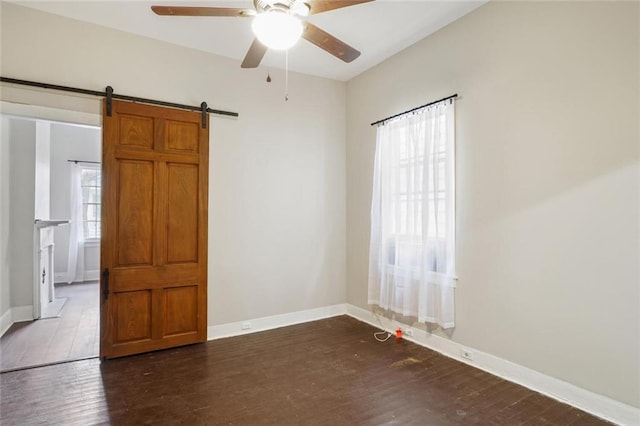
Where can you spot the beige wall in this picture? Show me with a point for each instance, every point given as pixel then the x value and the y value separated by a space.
pixel 547 182
pixel 277 182
pixel 42 160
pixel 5 264
pixel 21 146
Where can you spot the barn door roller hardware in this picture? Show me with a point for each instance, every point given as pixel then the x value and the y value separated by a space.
pixel 109 95
pixel 203 108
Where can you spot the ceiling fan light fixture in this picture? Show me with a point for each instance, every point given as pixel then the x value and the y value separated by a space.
pixel 277 29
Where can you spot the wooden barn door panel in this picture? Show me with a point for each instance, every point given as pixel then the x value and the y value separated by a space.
pixel 154 219
pixel 134 224
pixel 182 213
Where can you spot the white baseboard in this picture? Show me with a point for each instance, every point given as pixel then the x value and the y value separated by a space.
pixel 92 275
pixel 61 277
pixel 275 321
pixel 5 322
pixel 598 405
pixel 15 314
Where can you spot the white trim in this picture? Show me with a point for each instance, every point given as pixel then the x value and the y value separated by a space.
pixel 22 313
pixel 598 405
pixel 13 315
pixel 5 322
pixel 92 275
pixel 35 284
pixel 61 277
pixel 275 321
pixel 91 242
pixel 46 113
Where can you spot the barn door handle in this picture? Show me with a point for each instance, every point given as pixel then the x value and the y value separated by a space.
pixel 105 278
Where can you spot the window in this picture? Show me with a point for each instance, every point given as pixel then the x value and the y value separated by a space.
pixel 90 181
pixel 412 245
pixel 419 207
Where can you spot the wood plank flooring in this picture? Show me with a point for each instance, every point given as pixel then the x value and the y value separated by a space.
pixel 328 372
pixel 75 334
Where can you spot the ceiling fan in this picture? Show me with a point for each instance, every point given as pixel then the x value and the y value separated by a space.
pixel 278 24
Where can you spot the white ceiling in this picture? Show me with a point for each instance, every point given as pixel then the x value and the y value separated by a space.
pixel 378 29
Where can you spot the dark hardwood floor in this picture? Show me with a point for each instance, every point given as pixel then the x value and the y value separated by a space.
pixel 328 372
pixel 75 334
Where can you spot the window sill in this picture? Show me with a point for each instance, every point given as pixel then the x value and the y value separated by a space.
pixel 432 277
pixel 93 242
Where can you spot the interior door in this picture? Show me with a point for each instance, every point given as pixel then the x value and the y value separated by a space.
pixel 154 229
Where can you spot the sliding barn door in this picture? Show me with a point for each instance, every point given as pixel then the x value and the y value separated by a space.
pixel 154 229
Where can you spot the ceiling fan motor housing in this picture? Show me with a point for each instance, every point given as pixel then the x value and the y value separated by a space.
pixel 294 7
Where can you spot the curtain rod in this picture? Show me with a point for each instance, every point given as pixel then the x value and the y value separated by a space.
pixel 82 161
pixel 114 96
pixel 455 95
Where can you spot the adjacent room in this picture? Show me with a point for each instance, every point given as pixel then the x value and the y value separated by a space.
pixel 58 168
pixel 420 212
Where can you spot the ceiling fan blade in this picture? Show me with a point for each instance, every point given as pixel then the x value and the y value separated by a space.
pixel 319 6
pixel 329 43
pixel 202 11
pixel 254 55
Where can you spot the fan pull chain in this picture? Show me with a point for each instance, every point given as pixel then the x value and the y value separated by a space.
pixel 286 75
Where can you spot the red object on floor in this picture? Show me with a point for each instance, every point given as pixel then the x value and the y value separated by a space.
pixel 399 333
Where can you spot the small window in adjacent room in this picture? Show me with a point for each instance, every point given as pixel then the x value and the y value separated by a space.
pixel 91 196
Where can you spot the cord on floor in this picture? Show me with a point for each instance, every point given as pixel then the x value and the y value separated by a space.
pixel 379 339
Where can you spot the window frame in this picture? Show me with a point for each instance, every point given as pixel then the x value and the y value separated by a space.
pixel 91 240
pixel 400 238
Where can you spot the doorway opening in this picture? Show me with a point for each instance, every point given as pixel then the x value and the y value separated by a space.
pixel 51 190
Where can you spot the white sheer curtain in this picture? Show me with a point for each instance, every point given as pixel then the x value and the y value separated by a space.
pixel 75 262
pixel 412 246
